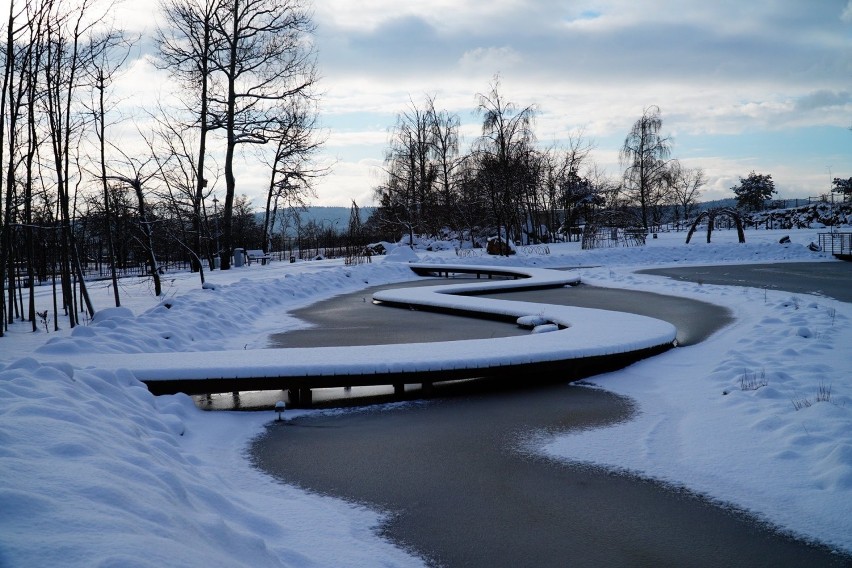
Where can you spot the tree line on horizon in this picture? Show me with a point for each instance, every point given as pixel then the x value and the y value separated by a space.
pixel 507 184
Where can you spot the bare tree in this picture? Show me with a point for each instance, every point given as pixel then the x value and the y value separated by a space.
pixel 11 95
pixel 562 187
pixel 173 149
pixel 408 193
pixel 266 61
pixel 293 175
pixel 136 181
pixel 64 62
pixel 107 53
pixel 645 153
pixel 503 152
pixel 444 141
pixel 686 186
pixel 36 20
pixel 186 45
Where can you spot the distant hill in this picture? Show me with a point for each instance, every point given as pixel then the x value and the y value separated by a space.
pixel 337 217
pixel 730 202
pixel 776 203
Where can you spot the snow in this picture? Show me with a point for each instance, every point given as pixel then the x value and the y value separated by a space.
pixel 97 471
pixel 585 333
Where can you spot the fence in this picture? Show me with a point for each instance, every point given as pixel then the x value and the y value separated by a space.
pixel 838 244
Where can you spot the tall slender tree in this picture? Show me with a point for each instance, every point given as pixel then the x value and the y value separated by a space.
pixel 63 71
pixel 107 53
pixel 408 193
pixel 266 61
pixel 36 22
pixel 293 173
pixel 187 43
pixel 6 206
pixel 503 153
pixel 645 153
pixel 445 140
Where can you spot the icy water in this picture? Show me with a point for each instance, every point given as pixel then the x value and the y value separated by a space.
pixel 461 487
pixel 833 279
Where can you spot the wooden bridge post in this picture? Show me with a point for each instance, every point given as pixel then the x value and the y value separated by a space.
pixel 293 395
pixel 300 397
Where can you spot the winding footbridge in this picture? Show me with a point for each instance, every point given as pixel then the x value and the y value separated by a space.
pixel 578 342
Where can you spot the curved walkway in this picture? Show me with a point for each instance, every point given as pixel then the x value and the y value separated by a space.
pixel 587 340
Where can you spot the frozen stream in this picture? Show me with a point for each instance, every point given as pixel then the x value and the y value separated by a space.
pixel 462 490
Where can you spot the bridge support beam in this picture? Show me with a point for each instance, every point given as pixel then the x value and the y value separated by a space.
pixel 293 395
pixel 300 397
pixel 398 389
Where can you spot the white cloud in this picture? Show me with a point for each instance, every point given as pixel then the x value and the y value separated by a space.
pixel 362 138
pixel 350 180
pixel 846 15
pixel 489 60
pixel 723 67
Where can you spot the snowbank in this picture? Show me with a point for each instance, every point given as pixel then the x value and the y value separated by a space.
pixel 96 471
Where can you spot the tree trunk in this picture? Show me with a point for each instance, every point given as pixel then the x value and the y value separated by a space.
pixel 201 182
pixel 146 228
pixel 107 212
pixel 4 214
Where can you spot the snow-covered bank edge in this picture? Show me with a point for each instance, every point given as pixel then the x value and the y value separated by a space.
pixel 96 471
pixel 116 476
pixel 720 418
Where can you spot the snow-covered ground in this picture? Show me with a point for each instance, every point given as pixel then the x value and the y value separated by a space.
pixel 96 471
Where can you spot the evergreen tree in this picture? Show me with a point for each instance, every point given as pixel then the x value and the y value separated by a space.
pixel 753 191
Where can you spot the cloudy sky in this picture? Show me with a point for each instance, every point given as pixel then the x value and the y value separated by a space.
pixel 763 85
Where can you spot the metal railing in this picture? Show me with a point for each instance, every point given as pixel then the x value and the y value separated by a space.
pixel 836 243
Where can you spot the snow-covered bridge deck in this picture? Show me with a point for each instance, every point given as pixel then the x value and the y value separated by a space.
pixel 583 341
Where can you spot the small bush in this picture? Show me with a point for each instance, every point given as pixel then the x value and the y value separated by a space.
pixel 753 381
pixel 823 393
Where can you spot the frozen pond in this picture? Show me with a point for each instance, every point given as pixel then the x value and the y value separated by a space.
pixel 458 479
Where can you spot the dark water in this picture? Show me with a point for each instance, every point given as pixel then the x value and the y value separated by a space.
pixel 833 279
pixel 352 319
pixel 461 490
pixel 460 487
pixel 695 321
